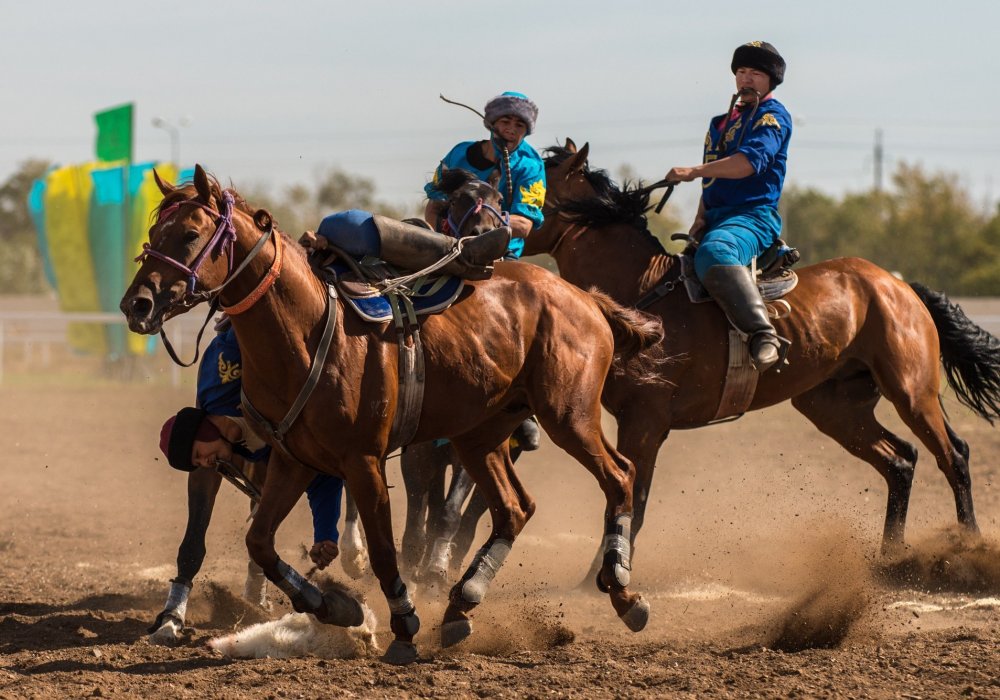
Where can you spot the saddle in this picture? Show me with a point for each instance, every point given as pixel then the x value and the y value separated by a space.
pixel 772 270
pixel 357 287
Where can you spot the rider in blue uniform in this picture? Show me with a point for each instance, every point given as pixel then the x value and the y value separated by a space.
pixel 509 117
pixel 197 437
pixel 743 170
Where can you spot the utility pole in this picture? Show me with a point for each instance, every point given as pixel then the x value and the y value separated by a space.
pixel 877 156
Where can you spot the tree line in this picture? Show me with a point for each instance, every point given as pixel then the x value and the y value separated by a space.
pixel 925 227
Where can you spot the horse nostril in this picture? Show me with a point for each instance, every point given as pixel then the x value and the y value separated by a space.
pixel 141 307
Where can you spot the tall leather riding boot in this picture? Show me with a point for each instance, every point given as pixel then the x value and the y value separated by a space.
pixel 735 291
pixel 415 248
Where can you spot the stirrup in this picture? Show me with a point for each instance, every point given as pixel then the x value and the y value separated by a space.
pixel 780 344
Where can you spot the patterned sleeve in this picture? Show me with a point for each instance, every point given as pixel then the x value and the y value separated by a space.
pixel 529 192
pixel 220 376
pixel 767 134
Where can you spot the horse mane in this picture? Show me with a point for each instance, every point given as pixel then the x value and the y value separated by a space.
pixel 452 179
pixel 610 205
pixel 187 192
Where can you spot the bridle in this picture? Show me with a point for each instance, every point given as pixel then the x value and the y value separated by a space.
pixel 502 218
pixel 221 243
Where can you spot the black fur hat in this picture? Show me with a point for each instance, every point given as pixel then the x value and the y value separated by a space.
pixel 761 56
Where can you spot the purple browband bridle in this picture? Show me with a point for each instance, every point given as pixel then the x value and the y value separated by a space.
pixel 221 242
pixel 501 216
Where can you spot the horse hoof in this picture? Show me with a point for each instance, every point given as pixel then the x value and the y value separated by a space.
pixel 354 566
pixel 600 584
pixel 454 632
pixel 341 609
pixel 400 653
pixel 169 634
pixel 637 616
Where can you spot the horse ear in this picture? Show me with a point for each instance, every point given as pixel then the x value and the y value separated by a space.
pixel 570 146
pixel 263 219
pixel 578 162
pixel 165 187
pixel 494 178
pixel 202 185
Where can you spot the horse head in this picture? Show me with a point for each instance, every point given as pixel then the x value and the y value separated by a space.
pixel 190 254
pixel 474 206
pixel 566 180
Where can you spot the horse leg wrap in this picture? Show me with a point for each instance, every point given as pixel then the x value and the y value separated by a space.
pixel 483 569
pixel 440 557
pixel 176 606
pixel 255 586
pixel 618 548
pixel 305 597
pixel 404 620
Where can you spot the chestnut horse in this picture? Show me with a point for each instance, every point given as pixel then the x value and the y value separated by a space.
pixel 519 343
pixel 857 334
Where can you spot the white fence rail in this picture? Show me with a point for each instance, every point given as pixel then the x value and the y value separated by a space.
pixel 42 331
pixel 38 333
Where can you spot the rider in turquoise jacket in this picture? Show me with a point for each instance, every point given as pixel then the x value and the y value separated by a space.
pixel 509 117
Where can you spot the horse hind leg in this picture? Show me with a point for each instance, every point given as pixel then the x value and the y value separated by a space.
pixel 438 561
pixel 580 435
pixel 511 507
pixel 844 409
pixel 914 393
pixel 354 554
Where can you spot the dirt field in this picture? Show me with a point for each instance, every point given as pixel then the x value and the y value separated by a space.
pixel 758 556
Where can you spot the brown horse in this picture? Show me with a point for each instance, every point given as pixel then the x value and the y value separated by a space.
pixel 857 334
pixel 519 343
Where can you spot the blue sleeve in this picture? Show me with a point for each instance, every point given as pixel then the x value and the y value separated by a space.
pixel 529 191
pixel 324 495
pixel 220 376
pixel 767 135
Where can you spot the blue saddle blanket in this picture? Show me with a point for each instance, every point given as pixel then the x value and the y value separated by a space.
pixel 428 295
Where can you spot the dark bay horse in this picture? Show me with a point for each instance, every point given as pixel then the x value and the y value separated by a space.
pixel 519 343
pixel 857 335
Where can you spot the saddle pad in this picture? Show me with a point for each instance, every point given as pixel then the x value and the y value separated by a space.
pixel 433 294
pixel 770 289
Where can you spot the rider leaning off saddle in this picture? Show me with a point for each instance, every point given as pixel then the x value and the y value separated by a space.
pixel 746 150
pixel 216 430
pixel 510 117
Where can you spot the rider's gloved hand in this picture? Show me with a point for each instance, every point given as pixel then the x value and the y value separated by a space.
pixel 310 241
pixel 323 553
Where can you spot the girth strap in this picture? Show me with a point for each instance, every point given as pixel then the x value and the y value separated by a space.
pixel 410 372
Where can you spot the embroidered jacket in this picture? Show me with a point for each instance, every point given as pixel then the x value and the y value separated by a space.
pixel 762 136
pixel 527 169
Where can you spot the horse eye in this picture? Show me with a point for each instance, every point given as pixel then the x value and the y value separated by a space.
pixel 190 236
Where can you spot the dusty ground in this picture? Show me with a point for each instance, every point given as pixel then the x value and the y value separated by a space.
pixel 760 566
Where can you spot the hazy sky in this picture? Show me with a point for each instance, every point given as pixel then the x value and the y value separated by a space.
pixel 276 92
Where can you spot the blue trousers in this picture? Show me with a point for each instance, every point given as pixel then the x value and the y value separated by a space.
pixel 353 231
pixel 736 235
pixel 324 494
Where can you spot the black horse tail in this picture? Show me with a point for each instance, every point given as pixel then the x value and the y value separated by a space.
pixel 633 331
pixel 971 356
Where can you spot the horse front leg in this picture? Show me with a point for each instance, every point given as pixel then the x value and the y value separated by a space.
pixel 366 481
pixel 354 557
pixel 203 486
pixel 285 484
